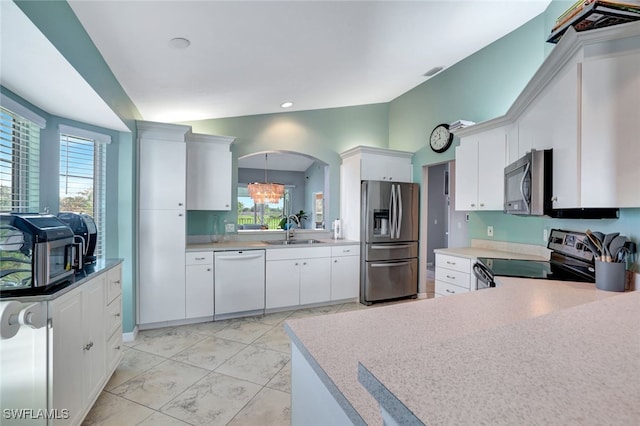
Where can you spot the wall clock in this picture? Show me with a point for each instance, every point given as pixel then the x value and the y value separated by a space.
pixel 441 138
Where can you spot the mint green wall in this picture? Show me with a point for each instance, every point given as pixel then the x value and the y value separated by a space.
pixel 323 134
pixel 478 88
pixel 56 20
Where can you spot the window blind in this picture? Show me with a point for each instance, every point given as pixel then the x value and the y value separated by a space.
pixel 82 180
pixel 19 163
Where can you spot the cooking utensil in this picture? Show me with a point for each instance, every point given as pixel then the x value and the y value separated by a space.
pixel 596 242
pixel 606 242
pixel 615 244
pixel 592 248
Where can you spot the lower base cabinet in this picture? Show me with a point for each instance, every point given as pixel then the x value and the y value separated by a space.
pixel 199 285
pixel 85 345
pixel 453 275
pixel 345 272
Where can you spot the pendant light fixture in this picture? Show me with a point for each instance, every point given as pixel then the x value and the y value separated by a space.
pixel 265 192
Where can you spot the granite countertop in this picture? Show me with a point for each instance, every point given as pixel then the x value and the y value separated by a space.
pixel 407 337
pixel 43 294
pixel 253 245
pixel 475 252
pixel 580 365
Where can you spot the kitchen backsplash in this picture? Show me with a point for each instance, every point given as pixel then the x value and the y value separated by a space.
pixel 530 230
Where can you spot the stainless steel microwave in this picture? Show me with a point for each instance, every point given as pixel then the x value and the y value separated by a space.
pixel 528 184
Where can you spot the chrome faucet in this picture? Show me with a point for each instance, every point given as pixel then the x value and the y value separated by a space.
pixel 289 229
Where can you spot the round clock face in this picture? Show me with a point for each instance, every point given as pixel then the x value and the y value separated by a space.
pixel 441 138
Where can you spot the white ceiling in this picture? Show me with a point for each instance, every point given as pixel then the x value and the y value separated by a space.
pixel 247 57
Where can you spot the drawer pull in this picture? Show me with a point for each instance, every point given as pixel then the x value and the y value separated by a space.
pixel 88 346
pixel 117 282
pixel 450 263
pixel 117 348
pixel 346 251
pixel 200 258
pixel 208 269
pixel 451 291
pixel 117 314
pixel 451 277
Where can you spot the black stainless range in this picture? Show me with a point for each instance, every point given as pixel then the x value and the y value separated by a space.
pixel 570 260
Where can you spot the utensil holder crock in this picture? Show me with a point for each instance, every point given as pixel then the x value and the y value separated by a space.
pixel 610 276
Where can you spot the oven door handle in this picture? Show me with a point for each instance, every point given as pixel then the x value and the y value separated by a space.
pixel 483 274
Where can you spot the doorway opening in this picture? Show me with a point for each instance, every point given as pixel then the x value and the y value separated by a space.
pixel 442 225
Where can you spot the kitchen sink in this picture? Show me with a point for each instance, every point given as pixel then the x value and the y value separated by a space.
pixel 291 242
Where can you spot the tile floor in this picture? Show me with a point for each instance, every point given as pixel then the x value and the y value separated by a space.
pixel 233 372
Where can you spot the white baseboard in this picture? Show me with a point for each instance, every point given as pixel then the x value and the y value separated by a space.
pixel 130 337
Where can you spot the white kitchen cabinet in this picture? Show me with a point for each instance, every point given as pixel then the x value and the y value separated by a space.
pixel 162 225
pixel 79 348
pixel 297 276
pixel 345 272
pixel 199 295
pixel 113 321
pixel 453 275
pixel 315 280
pixel 367 163
pixel 162 266
pixel 209 181
pixel 239 281
pixel 610 156
pixel 480 162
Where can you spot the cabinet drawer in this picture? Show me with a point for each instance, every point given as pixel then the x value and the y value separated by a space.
pixel 114 283
pixel 447 289
pixel 298 253
pixel 351 250
pixel 199 258
pixel 114 350
pixel 454 277
pixel 114 316
pixel 461 264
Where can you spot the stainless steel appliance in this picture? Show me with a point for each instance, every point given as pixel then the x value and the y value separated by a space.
pixel 41 257
pixel 389 240
pixel 528 190
pixel 85 236
pixel 571 260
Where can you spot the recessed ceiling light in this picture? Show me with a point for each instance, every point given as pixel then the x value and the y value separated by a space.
pixel 287 104
pixel 432 71
pixel 179 43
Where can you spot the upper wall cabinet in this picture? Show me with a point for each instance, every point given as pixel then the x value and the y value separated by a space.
pixel 610 136
pixel 480 162
pixel 366 163
pixel 209 179
pixel 584 103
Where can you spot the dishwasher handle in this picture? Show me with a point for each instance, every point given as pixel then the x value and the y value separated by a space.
pixel 241 256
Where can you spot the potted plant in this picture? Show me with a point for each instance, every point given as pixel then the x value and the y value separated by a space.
pixel 300 216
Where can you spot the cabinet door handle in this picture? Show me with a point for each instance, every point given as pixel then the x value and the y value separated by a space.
pixel 180 204
pixel 473 205
pixel 450 277
pixel 179 214
pixel 116 282
pixel 116 314
pixel 481 204
pixel 296 264
pixel 208 269
pixel 304 263
pixel 451 291
pixel 450 263
pixel 88 346
pixel 117 348
pixel 346 251
pixel 335 261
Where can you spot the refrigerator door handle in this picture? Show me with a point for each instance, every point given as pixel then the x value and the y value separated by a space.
pixel 391 246
pixel 399 213
pixel 392 216
pixel 389 264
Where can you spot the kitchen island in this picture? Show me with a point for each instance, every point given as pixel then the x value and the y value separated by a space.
pixel 448 359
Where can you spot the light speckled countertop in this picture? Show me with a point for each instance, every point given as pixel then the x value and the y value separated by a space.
pixel 475 252
pixel 417 337
pixel 253 245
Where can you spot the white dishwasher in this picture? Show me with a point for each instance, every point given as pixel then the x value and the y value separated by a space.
pixel 239 282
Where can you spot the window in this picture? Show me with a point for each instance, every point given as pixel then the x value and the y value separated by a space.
pixel 19 163
pixel 83 178
pixel 268 216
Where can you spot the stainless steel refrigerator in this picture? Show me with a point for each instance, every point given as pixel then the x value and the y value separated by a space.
pixel 389 241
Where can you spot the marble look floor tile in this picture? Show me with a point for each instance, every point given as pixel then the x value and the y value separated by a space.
pixel 282 380
pixel 209 328
pixel 133 362
pixel 243 331
pixel 113 410
pixel 169 343
pixel 275 339
pixel 257 365
pixel 269 407
pixel 209 353
pixel 275 318
pixel 214 400
pixel 159 419
pixel 312 312
pixel 355 306
pixel 160 384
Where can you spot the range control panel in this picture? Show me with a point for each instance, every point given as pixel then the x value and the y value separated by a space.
pixel 570 243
